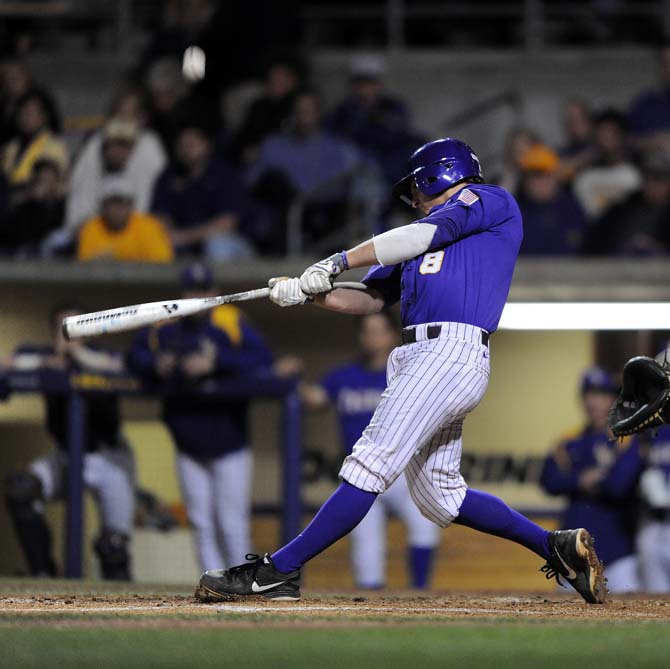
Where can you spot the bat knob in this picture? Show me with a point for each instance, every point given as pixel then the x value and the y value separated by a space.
pixel 66 332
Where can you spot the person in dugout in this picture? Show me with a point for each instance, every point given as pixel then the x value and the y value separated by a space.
pixel 582 467
pixel 641 477
pixel 214 462
pixel 108 468
pixel 354 390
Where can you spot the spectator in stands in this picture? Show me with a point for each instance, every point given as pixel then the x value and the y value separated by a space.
pixel 577 148
pixel 374 120
pixel 120 232
pixel 640 225
pixel 199 198
pixel 41 209
pixel 108 461
pixel 517 142
pixel 577 128
pixel 553 220
pixel 268 113
pixel 123 145
pixel 612 176
pixel 306 161
pixel 168 96
pixel 580 468
pixel 15 82
pixel 650 111
pixel 211 435
pixel 33 139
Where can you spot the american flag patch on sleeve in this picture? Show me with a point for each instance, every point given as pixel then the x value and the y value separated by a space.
pixel 467 196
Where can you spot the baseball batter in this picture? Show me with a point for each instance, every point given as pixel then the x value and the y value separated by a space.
pixel 355 390
pixel 451 270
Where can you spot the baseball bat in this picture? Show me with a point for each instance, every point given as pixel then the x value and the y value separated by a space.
pixel 135 316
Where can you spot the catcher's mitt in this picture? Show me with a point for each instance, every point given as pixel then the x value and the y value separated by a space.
pixel 644 400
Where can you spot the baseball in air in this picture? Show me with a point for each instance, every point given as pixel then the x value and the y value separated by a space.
pixel 193 65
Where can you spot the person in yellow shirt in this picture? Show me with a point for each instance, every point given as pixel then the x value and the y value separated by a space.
pixel 121 233
pixel 34 139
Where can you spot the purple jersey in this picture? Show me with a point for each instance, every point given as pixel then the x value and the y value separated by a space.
pixel 644 468
pixel 355 391
pixel 607 512
pixel 465 275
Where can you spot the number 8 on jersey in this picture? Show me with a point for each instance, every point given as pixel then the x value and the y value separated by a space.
pixel 432 263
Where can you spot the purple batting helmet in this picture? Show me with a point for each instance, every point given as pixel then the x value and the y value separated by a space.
pixel 437 166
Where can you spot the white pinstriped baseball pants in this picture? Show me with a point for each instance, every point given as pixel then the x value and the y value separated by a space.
pixel 432 385
pixel 217 495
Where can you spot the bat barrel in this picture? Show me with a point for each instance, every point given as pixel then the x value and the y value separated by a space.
pixel 126 318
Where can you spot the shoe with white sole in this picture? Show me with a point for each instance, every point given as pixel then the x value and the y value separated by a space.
pixel 258 577
pixel 574 559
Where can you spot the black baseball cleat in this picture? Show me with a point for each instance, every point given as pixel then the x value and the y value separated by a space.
pixel 258 577
pixel 574 559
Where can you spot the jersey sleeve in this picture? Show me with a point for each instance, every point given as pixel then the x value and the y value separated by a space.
pixel 458 219
pixel 240 349
pixel 385 280
pixel 559 476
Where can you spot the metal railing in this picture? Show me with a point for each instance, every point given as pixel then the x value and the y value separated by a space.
pixel 537 19
pixel 76 386
pixel 364 210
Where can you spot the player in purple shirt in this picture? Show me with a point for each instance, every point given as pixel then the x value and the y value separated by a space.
pixel 579 468
pixel 641 478
pixel 354 390
pixel 642 473
pixel 451 271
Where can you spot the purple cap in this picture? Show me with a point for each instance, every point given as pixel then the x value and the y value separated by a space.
pixel 196 276
pixel 599 380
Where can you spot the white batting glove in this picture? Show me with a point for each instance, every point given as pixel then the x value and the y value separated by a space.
pixel 286 292
pixel 318 278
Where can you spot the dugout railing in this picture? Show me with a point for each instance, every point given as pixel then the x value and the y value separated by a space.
pixel 76 386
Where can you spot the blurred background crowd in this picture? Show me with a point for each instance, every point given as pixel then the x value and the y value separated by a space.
pixel 251 161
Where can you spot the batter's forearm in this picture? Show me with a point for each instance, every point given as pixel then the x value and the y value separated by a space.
pixel 348 301
pixel 362 255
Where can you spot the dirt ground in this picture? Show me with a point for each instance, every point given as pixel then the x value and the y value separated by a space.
pixel 156 609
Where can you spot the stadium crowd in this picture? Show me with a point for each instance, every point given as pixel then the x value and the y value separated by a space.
pixel 166 175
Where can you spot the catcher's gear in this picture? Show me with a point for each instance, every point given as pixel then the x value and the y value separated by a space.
pixel 643 401
pixel 25 502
